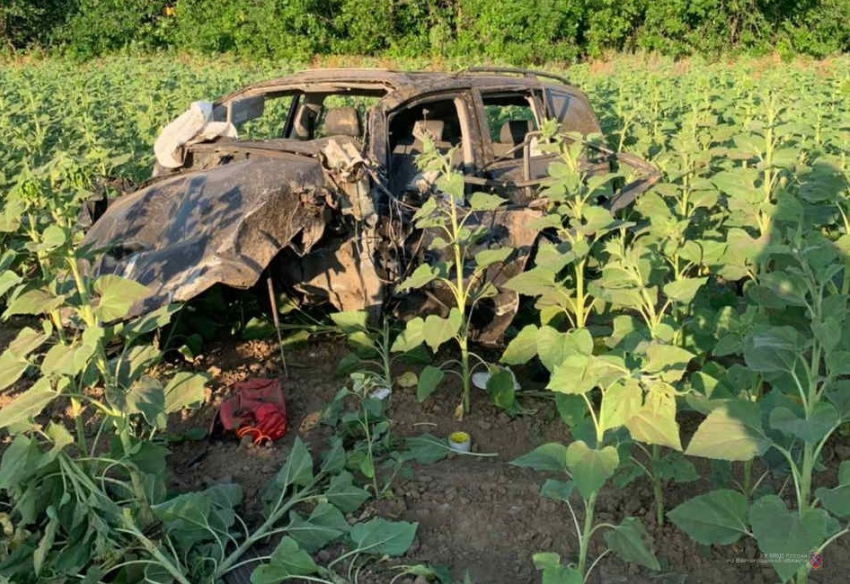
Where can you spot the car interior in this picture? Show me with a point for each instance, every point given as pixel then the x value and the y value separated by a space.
pixel 439 120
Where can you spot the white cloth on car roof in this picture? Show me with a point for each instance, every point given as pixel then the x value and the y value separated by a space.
pixel 192 126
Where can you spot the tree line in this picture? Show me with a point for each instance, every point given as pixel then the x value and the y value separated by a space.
pixel 518 31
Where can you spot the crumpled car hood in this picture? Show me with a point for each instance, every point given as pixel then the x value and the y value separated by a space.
pixel 184 233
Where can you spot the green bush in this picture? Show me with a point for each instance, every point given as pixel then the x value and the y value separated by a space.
pixel 100 26
pixel 24 23
pixel 521 32
pixel 265 28
pixel 820 29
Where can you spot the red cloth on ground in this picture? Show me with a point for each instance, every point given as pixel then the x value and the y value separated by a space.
pixel 256 408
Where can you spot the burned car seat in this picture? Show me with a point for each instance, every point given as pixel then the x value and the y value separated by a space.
pixel 405 174
pixel 343 121
pixel 511 135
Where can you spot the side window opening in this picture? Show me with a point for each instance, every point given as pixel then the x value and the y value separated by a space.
pixel 509 118
pixel 439 118
pixel 441 121
pixel 264 119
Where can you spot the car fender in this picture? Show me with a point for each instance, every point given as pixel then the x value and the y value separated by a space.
pixel 184 233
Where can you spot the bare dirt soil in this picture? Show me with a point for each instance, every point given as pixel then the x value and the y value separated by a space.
pixel 479 515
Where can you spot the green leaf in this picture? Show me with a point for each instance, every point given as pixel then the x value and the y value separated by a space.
pixel 838 363
pixel 185 517
pixel 420 277
pixel 429 380
pixel 185 390
pixel 72 359
pixel 298 468
pixel 783 536
pixel 549 457
pixel 684 290
pixel 485 202
pixel 675 467
pixel 59 360
pixel 324 525
pixel 738 183
pixel 788 288
pixel 117 296
pixel 554 347
pixel 60 436
pixel 491 256
pixel 557 490
pixel 630 541
pixel 287 561
pixel 628 334
pixel 572 409
pixel 151 321
pixel 28 404
pixel 522 348
pixel 597 220
pixel 333 459
pixel 627 473
pixel 655 423
pixel 452 184
pixel 352 320
pixel 502 389
pixel 812 429
pixel 412 336
pixel 426 449
pixel 381 537
pixel 828 333
pixel 552 258
pixel 45 544
pixel 731 431
pixel 619 403
pixel 20 459
pixel 553 572
pixel 535 282
pixel 591 467
pixel 771 350
pixel 667 361
pixel 717 517
pixel 146 397
pixel 8 280
pixel 836 500
pixel 343 494
pixel 367 467
pixel 438 330
pixel 33 302
pixel 13 361
pixel 257 327
pixel 844 474
pixel 52 237
pixel 579 374
pixel 154 574
pixel 150 458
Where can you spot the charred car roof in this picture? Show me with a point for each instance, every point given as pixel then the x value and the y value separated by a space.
pixel 399 86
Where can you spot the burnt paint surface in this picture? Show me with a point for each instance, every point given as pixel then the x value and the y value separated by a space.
pixel 224 225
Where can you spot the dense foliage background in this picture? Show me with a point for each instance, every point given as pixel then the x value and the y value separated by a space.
pixel 512 30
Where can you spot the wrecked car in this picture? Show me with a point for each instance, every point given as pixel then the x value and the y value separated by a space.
pixel 312 179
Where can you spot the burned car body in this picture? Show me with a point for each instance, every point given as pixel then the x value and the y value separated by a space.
pixel 313 177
